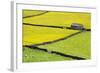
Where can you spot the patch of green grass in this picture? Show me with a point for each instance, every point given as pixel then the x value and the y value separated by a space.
pixel 78 45
pixel 33 55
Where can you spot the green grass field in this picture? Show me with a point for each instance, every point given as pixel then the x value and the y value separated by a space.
pixel 32 55
pixel 77 45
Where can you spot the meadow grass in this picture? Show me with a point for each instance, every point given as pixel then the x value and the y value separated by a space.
pixel 78 45
pixel 35 35
pixel 33 55
pixel 61 19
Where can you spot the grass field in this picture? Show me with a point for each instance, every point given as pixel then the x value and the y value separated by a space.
pixel 77 45
pixel 32 55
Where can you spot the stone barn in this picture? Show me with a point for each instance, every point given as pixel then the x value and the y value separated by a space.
pixel 77 26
